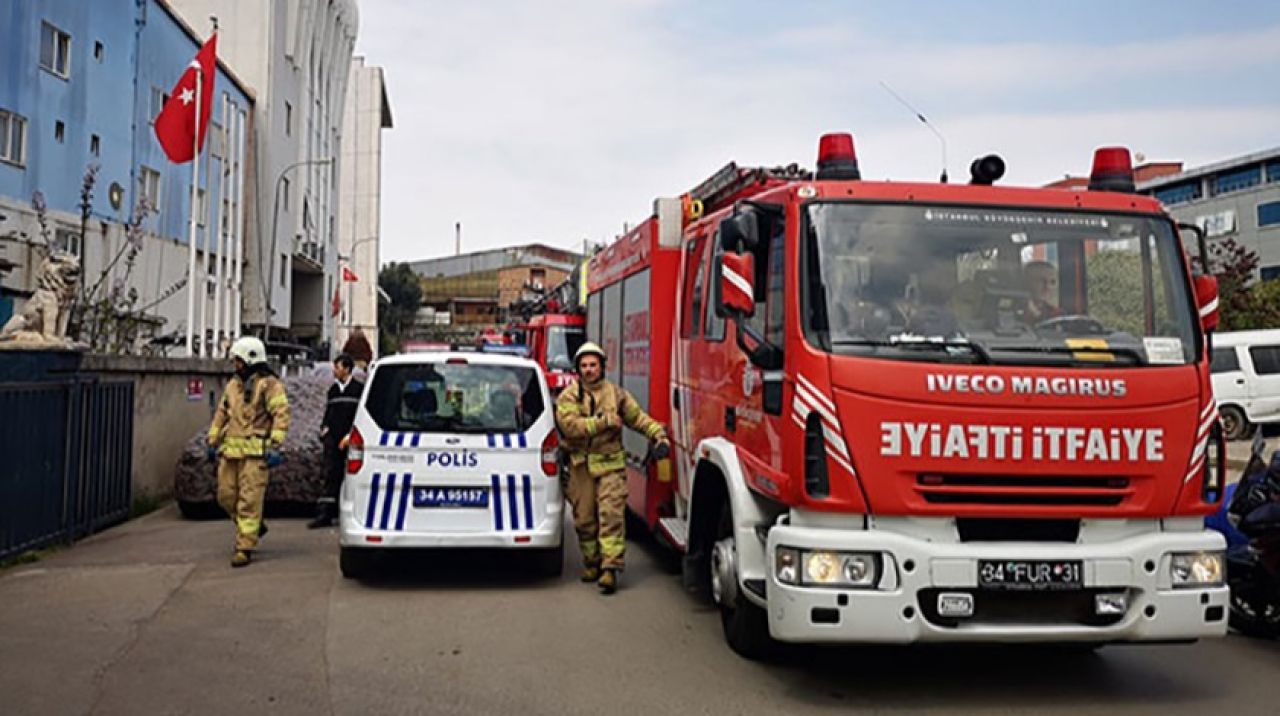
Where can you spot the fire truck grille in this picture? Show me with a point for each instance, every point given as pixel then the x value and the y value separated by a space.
pixel 941 489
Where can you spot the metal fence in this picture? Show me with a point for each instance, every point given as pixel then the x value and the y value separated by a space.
pixel 66 460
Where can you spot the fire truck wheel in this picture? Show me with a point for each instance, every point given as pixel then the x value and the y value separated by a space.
pixel 1234 423
pixel 746 626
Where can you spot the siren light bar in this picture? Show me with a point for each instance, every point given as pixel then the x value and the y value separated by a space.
pixel 1112 170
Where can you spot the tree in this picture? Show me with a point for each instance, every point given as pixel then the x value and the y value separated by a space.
pixel 403 287
pixel 1244 302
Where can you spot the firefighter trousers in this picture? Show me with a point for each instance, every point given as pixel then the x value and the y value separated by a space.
pixel 242 488
pixel 599 516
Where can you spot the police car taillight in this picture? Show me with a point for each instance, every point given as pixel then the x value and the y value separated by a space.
pixel 551 454
pixel 355 452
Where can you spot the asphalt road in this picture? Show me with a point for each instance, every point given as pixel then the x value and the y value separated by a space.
pixel 149 618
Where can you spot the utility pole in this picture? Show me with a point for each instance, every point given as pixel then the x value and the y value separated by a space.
pixel 457 239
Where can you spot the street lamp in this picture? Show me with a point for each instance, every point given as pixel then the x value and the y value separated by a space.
pixel 269 286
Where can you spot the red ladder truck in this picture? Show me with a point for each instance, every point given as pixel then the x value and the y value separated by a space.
pixel 923 412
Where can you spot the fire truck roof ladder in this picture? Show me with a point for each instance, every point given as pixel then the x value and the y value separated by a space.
pixel 728 184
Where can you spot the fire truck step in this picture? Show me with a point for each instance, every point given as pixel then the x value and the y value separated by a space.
pixel 675 529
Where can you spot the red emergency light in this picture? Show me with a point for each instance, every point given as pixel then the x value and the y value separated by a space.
pixel 1112 170
pixel 837 158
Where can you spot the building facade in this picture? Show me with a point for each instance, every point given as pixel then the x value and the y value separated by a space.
pixel 296 55
pixel 367 114
pixel 1237 198
pixel 80 86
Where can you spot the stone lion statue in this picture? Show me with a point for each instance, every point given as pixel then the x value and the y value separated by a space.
pixel 43 320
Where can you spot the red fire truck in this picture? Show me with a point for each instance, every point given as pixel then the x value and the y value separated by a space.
pixel 552 339
pixel 924 412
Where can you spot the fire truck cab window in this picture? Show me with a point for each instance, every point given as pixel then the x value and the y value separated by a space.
pixel 714 327
pixel 980 284
pixel 691 311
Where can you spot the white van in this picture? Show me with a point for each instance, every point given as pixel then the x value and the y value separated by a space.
pixel 1246 379
pixel 453 450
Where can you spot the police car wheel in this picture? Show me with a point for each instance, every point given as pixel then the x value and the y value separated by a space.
pixel 354 563
pixel 550 562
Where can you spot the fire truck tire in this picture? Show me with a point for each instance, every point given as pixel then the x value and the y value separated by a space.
pixel 1234 424
pixel 746 626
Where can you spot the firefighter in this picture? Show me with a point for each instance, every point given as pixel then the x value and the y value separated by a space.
pixel 246 435
pixel 591 414
pixel 339 416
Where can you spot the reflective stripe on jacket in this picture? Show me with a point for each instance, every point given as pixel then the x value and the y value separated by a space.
pixel 590 420
pixel 250 419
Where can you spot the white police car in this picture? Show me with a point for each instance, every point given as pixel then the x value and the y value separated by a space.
pixel 453 450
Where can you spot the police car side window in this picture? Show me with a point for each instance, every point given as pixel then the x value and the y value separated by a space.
pixel 1223 360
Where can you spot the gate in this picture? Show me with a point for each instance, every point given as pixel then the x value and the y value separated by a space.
pixel 66 460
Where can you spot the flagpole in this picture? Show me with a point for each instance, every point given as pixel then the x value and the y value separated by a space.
pixel 191 223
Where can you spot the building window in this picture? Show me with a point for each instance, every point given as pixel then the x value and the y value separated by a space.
pixel 284 270
pixel 1270 272
pixel 288 119
pixel 97 51
pixel 95 145
pixel 1273 171
pixel 158 98
pixel 1237 180
pixel 1269 214
pixel 59 131
pixel 55 50
pixel 68 241
pixel 149 186
pixel 1179 193
pixel 13 138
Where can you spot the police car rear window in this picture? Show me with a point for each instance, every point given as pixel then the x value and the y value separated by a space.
pixel 455 398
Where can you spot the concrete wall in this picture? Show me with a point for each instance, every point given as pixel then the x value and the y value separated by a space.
pixel 164 419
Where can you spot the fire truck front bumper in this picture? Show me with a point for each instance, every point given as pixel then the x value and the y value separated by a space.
pixel 911 580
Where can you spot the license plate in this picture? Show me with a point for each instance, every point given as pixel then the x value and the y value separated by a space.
pixel 450 497
pixel 1031 574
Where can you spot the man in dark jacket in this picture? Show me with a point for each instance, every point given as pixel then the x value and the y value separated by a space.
pixel 339 414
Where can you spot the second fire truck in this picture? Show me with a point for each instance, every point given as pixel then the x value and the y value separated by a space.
pixel 923 412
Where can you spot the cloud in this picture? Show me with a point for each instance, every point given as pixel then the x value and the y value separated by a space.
pixel 555 122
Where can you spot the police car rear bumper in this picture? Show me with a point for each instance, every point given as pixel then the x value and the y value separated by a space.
pixel 548 533
pixel 905 603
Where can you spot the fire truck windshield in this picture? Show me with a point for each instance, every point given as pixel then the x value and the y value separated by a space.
pixel 562 343
pixel 993 285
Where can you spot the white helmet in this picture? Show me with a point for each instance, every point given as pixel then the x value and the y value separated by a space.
pixel 250 350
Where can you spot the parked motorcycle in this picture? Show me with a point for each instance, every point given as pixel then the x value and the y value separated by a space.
pixel 1249 518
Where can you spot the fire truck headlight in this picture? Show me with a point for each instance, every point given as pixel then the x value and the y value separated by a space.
pixel 1196 569
pixel 827 569
pixel 786 562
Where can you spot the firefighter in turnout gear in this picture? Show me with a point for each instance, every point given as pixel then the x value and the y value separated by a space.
pixel 591 414
pixel 246 435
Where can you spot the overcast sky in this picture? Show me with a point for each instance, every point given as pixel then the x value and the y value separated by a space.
pixel 552 122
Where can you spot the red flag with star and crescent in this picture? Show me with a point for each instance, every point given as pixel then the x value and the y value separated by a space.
pixel 176 125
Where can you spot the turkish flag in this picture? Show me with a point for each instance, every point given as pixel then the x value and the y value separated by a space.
pixel 349 275
pixel 176 125
pixel 337 300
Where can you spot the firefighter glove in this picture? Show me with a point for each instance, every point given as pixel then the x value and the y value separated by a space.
pixel 274 458
pixel 211 453
pixel 662 450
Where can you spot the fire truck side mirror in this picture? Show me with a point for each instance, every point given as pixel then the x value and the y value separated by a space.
pixel 1207 301
pixel 740 232
pixel 736 297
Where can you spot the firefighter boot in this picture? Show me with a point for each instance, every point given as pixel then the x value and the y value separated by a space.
pixel 608 581
pixel 322 518
pixel 241 559
pixel 590 574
